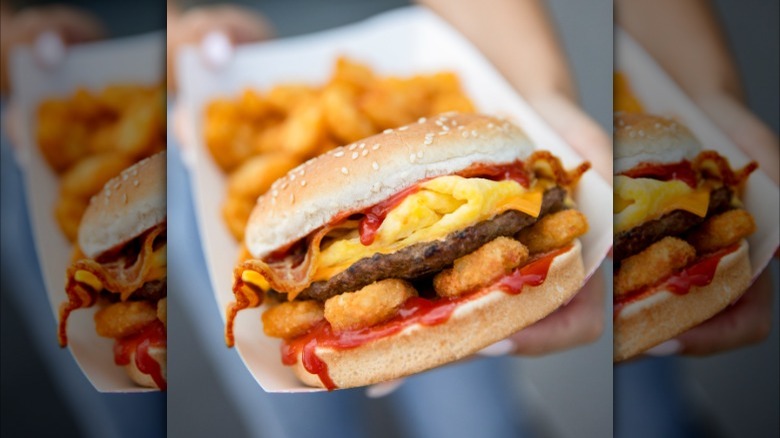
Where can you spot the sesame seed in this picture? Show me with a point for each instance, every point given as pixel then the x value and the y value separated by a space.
pixel 461 127
pixel 108 193
pixel 352 147
pixel 124 198
pixel 273 201
pixel 412 158
pixel 428 141
pixel 445 128
pixel 443 133
pixel 292 198
pixel 474 133
pixel 275 193
pixel 632 134
pixel 465 134
pixel 124 176
pixel 641 133
pixel 419 154
pixel 421 120
pixel 387 131
pixel 344 170
pixel 284 185
pixel 362 145
pixel 364 153
pixel 657 125
pixel 303 183
pixel 403 128
pixel 454 123
pixel 135 183
pixel 491 125
pixel 292 177
pixel 354 155
pixel 375 165
pixel 339 154
pixel 376 146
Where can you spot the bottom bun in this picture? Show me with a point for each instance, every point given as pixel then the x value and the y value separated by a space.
pixel 473 326
pixel 663 315
pixel 159 354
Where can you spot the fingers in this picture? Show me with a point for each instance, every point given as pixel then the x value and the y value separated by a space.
pixel 746 322
pixel 579 322
pixel 216 30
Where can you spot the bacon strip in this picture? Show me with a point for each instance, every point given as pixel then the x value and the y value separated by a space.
pixel 546 165
pixel 711 164
pixel 116 276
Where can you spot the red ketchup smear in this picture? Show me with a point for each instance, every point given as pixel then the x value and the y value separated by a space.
pixel 681 171
pixel 152 335
pixel 374 216
pixel 415 310
pixel 698 274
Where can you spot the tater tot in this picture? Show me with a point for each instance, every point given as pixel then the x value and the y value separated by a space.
pixel 303 130
pixel 138 128
pixel 284 98
pixel 291 318
pixel 255 176
pixel 722 230
pixel 236 211
pixel 554 231
pixel 342 117
pixel 68 212
pixel 659 260
pixel 89 175
pixel 162 311
pixel 125 318
pixel 368 306
pixel 483 266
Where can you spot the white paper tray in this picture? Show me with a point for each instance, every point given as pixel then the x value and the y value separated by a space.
pixel 402 42
pixel 93 66
pixel 659 94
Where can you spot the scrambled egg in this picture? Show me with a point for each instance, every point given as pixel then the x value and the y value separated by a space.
pixel 637 200
pixel 441 206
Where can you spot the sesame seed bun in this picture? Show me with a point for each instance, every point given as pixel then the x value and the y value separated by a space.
pixel 128 205
pixel 473 326
pixel 364 173
pixel 641 138
pixel 647 322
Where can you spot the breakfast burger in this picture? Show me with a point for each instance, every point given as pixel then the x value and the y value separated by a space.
pixel 679 249
pixel 120 264
pixel 410 249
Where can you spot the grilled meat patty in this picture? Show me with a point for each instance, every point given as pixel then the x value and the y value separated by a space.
pixel 429 257
pixel 675 223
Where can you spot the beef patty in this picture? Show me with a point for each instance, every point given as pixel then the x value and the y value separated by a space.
pixel 429 257
pixel 674 223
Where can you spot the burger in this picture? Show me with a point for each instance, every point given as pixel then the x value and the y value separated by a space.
pixel 680 254
pixel 119 263
pixel 410 249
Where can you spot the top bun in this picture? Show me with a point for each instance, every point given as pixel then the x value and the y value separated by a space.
pixel 364 173
pixel 642 138
pixel 128 205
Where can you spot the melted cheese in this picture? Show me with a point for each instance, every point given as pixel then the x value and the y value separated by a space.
pixel 89 279
pixel 441 206
pixel 637 200
pixel 255 278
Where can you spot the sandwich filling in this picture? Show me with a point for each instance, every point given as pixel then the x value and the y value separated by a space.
pixel 420 233
pixel 131 280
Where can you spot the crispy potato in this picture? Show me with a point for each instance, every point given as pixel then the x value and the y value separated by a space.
pixel 485 265
pixel 553 231
pixel 68 212
pixel 253 107
pixel 722 230
pixel 124 318
pixel 89 175
pixel 357 76
pixel 344 120
pixel 368 306
pixel 451 102
pixel 255 176
pixel 162 311
pixel 291 318
pixel 659 260
pixel 139 127
pixel 286 97
pixel 303 130
pixel 236 211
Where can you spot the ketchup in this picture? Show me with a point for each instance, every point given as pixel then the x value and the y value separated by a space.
pixel 152 335
pixel 681 171
pixel 374 216
pixel 415 310
pixel 698 274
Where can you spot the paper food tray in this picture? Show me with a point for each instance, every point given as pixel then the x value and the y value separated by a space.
pixel 403 42
pixel 659 94
pixel 93 66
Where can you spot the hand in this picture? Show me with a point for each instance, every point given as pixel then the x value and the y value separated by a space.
pixel 217 29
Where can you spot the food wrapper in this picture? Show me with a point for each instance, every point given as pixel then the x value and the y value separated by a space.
pixel 93 66
pixel 403 42
pixel 660 95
